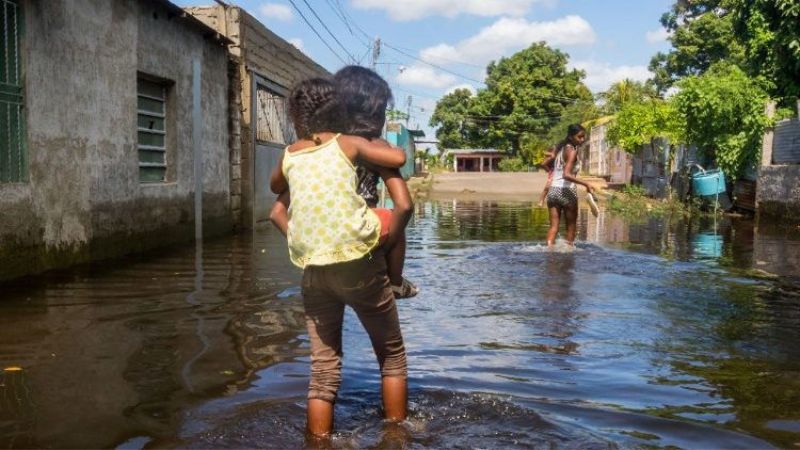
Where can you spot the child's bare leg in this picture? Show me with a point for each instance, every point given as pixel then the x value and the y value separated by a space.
pixel 395 398
pixel 319 417
pixel 395 260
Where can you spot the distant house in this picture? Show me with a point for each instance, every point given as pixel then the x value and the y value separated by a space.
pixel 114 115
pixel 475 159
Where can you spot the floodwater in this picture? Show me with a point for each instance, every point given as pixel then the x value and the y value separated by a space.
pixel 651 334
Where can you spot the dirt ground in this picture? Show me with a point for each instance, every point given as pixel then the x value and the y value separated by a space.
pixel 489 185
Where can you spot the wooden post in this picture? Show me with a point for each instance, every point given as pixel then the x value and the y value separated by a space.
pixel 766 156
pixel 766 143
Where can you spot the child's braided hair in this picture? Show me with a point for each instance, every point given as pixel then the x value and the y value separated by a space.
pixel 313 107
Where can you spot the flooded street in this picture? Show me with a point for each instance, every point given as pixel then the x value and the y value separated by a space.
pixel 649 334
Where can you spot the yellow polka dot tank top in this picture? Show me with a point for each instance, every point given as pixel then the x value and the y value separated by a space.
pixel 329 222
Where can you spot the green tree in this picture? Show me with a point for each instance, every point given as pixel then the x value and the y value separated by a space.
pixel 770 33
pixel 724 116
pixel 641 123
pixel 623 92
pixel 450 116
pixel 525 94
pixel 702 33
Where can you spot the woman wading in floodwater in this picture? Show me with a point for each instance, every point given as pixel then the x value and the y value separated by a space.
pixel 562 198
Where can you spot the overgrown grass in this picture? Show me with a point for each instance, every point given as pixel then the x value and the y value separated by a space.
pixel 633 204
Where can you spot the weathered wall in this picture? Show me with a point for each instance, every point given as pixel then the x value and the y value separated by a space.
pixel 778 187
pixel 605 159
pixel 778 192
pixel 83 200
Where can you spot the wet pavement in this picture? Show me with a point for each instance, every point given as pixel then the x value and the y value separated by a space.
pixel 649 334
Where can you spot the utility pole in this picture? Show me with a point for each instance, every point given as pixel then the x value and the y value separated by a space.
pixel 408 109
pixel 376 52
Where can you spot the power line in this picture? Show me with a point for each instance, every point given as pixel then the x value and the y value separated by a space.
pixel 336 8
pixel 436 66
pixel 403 52
pixel 454 61
pixel 329 31
pixel 344 12
pixel 316 32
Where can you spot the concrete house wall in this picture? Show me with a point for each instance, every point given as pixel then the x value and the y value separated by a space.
pixel 605 160
pixel 83 199
pixel 778 187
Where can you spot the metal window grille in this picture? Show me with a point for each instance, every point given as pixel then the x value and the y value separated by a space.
pixel 13 153
pixel 272 117
pixel 151 131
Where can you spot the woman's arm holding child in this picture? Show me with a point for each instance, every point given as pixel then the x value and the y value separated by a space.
pixel 279 216
pixel 277 181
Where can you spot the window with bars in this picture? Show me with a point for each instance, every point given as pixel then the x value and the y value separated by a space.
pixel 13 152
pixel 272 117
pixel 152 130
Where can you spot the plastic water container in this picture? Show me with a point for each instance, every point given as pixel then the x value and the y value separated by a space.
pixel 708 182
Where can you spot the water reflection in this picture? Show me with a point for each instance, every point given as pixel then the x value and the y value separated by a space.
pixel 142 339
pixel 649 334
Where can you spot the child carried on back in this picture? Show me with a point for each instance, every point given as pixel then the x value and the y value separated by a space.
pixel 361 97
pixel 336 238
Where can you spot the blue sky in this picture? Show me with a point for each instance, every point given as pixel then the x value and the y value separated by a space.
pixel 609 39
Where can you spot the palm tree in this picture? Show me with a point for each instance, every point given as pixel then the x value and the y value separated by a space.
pixel 623 92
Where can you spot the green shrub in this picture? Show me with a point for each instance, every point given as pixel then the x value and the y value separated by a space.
pixel 512 165
pixel 634 190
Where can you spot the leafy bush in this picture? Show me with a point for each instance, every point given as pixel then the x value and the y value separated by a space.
pixel 634 190
pixel 512 165
pixel 724 112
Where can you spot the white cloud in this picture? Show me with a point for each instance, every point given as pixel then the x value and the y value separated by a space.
pixel 417 9
pixel 425 76
pixel 277 11
pixel 466 86
pixel 298 43
pixel 600 75
pixel 656 36
pixel 509 34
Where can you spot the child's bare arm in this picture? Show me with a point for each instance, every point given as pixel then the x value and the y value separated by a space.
pixel 279 216
pixel 403 205
pixel 277 181
pixel 549 156
pixel 379 152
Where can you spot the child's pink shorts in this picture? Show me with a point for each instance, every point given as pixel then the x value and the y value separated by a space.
pixel 385 216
